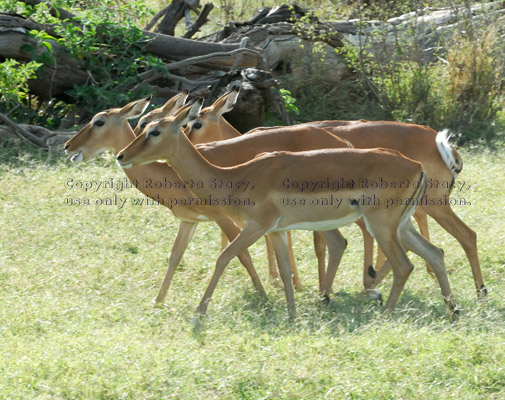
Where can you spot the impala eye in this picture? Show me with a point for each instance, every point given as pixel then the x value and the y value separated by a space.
pixel 99 123
pixel 143 125
pixel 197 125
pixel 154 133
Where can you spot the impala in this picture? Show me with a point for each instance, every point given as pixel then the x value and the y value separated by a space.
pixel 387 217
pixel 110 130
pixel 440 161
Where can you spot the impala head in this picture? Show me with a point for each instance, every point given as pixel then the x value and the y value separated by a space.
pixel 169 108
pixel 100 134
pixel 160 139
pixel 210 124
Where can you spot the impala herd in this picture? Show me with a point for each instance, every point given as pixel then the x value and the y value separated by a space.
pixel 314 176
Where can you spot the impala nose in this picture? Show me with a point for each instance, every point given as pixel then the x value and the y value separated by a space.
pixel 119 157
pixel 66 147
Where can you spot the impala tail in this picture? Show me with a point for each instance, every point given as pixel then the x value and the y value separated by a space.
pixel 448 153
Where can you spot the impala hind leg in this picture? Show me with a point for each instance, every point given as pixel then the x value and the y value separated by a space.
pixel 402 267
pixel 435 257
pixel 422 221
pixel 272 267
pixel 281 245
pixel 272 263
pixel 292 262
pixel 249 235
pixel 465 236
pixel 320 249
pixel 382 266
pixel 224 241
pixel 336 245
pixel 369 273
pixel 184 235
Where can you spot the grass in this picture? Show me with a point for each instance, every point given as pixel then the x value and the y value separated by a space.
pixel 77 319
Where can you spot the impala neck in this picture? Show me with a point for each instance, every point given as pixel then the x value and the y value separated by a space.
pixel 228 131
pixel 123 137
pixel 191 165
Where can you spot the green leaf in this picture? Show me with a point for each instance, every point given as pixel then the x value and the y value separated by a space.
pixel 27 47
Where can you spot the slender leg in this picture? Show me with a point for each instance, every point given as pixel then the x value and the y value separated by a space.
pixel 382 267
pixel 336 246
pixel 272 267
pixel 412 240
pixel 369 274
pixel 184 235
pixel 224 241
pixel 402 267
pixel 280 242
pixel 382 273
pixel 465 236
pixel 387 238
pixel 249 235
pixel 320 248
pixel 294 270
pixel 232 231
pixel 422 222
pixel 380 259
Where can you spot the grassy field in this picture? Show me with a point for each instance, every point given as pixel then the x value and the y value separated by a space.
pixel 77 319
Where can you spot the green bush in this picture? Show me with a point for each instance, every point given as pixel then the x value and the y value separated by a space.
pixel 461 87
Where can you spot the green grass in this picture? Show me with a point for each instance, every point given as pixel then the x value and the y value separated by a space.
pixel 77 319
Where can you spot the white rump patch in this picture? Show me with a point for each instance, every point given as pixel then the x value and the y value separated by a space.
pixel 445 150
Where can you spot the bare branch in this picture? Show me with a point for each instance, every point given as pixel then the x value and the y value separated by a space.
pixel 23 132
pixel 155 19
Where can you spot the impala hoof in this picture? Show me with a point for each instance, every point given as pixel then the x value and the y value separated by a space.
pixel 454 314
pixel 326 299
pixel 374 294
pixel 482 293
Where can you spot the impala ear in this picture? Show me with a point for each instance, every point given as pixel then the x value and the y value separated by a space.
pixel 226 102
pixel 176 102
pixel 189 112
pixel 136 108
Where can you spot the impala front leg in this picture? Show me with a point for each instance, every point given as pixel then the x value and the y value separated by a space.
pixel 248 236
pixel 184 235
pixel 232 231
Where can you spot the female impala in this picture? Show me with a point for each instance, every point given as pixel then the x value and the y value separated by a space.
pixel 440 161
pixel 110 130
pixel 274 177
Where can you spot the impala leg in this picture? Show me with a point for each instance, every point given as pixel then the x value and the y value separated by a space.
pixel 292 262
pixel 382 272
pixel 435 257
pixel 250 234
pixel 272 267
pixel 184 235
pixel 380 259
pixel 281 244
pixel 422 221
pixel 320 249
pixel 446 217
pixel 224 241
pixel 231 231
pixel 336 245
pixel 369 273
pixel 402 267
pixel 383 266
